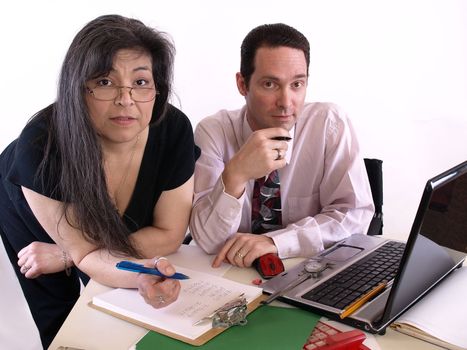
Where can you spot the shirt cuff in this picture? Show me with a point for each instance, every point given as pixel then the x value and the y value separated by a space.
pixel 294 241
pixel 286 242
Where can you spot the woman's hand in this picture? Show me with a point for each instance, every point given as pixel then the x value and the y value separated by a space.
pixel 158 291
pixel 40 258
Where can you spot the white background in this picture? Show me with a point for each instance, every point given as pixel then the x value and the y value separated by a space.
pixel 399 68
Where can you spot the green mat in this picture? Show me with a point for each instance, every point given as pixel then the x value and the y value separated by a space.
pixel 268 327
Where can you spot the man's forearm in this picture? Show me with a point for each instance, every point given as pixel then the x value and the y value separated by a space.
pixel 215 217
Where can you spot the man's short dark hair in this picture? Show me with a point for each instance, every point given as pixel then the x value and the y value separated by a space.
pixel 272 36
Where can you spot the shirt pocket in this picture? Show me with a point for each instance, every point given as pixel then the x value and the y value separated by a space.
pixel 301 207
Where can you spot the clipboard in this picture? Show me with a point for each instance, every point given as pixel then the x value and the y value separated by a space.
pixel 205 337
pixel 174 320
pixel 269 327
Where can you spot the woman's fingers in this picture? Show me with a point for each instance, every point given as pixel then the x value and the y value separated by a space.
pixel 159 291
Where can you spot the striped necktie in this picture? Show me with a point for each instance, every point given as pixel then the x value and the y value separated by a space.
pixel 266 212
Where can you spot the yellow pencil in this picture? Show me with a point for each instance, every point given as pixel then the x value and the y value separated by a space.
pixel 357 304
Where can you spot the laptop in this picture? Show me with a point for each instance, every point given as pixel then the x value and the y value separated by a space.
pixel 390 276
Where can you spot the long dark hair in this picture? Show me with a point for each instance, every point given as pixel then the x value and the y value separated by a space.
pixel 270 35
pixel 78 157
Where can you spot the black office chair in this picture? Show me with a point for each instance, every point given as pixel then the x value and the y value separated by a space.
pixel 187 238
pixel 374 169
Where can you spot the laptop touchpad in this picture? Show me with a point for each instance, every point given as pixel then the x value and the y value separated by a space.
pixel 343 253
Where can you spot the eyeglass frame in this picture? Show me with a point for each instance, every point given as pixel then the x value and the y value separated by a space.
pixel 118 88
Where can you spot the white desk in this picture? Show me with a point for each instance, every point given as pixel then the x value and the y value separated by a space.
pixel 90 329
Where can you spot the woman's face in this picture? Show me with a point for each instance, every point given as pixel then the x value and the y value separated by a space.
pixel 121 103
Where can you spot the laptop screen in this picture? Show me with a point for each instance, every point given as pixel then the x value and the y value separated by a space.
pixel 437 241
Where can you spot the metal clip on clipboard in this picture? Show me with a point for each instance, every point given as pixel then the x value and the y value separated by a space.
pixel 233 313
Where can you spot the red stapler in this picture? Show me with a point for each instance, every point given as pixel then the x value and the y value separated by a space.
pixel 351 340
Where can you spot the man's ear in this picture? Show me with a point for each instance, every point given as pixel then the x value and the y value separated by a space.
pixel 241 84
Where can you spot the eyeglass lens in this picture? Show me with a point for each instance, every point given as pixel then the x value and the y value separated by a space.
pixel 111 93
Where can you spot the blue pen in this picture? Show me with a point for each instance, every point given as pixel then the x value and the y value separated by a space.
pixel 134 267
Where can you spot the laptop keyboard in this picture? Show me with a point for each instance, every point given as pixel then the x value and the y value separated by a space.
pixel 351 283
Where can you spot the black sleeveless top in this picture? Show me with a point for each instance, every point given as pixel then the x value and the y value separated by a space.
pixel 168 162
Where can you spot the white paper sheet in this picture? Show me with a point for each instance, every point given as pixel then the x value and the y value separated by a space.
pixel 193 257
pixel 443 312
pixel 200 295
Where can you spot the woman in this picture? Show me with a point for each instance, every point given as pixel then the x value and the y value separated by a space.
pixel 101 175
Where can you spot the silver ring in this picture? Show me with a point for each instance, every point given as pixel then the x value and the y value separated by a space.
pixel 279 155
pixel 159 259
pixel 161 299
pixel 25 268
pixel 240 255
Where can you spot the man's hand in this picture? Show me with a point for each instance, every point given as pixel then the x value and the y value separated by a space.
pixel 243 248
pixel 39 258
pixel 258 157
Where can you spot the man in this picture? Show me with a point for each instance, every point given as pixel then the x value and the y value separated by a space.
pixel 325 195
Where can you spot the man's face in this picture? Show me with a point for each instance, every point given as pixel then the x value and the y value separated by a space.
pixel 277 88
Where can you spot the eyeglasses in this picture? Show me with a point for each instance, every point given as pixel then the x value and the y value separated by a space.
pixel 109 93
